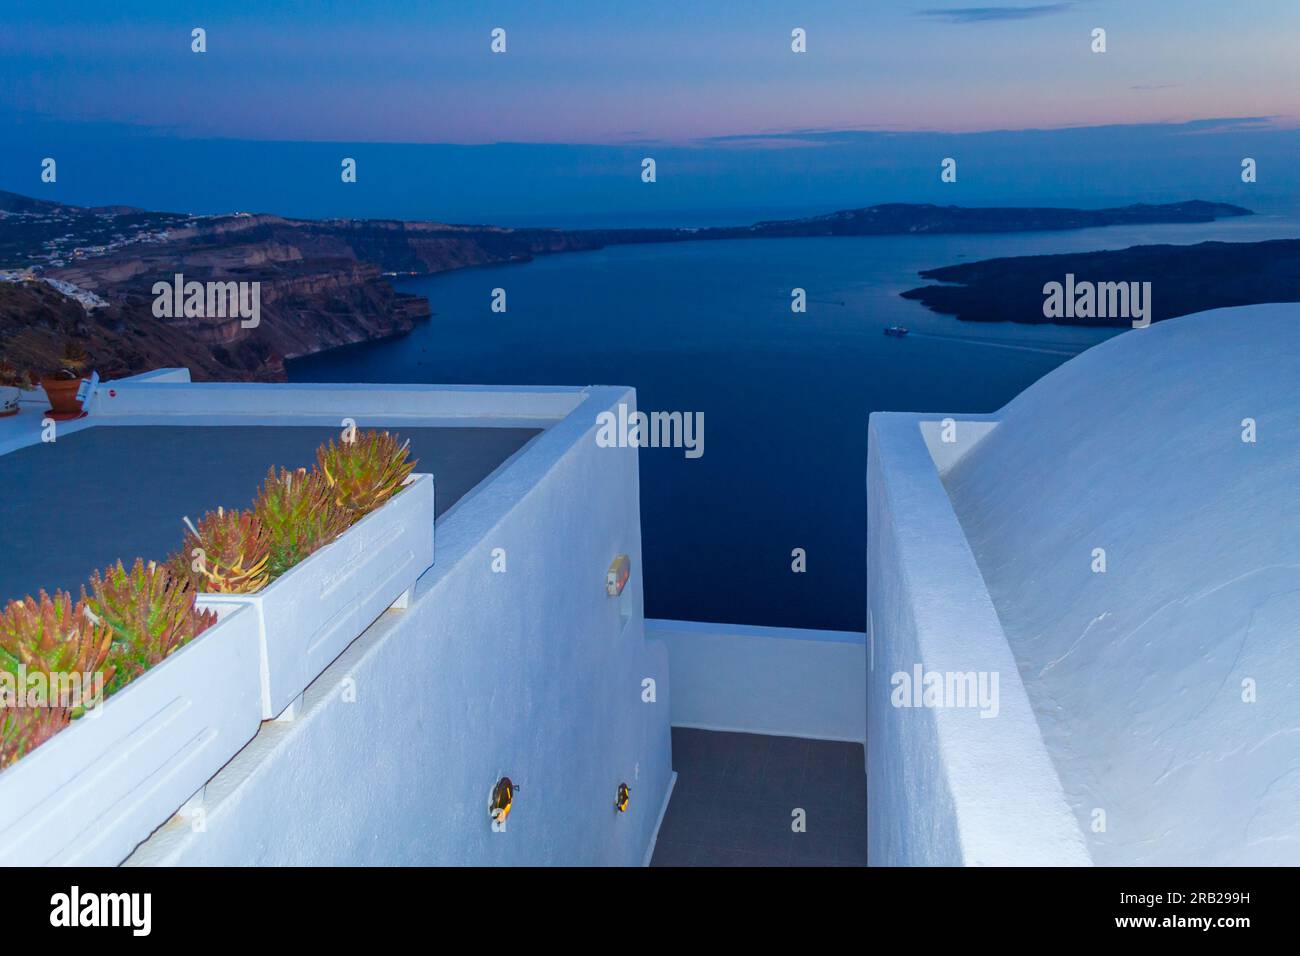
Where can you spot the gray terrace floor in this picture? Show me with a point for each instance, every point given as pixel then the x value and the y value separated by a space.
pixel 736 795
pixel 109 492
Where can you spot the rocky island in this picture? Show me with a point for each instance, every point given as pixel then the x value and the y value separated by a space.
pixel 1183 280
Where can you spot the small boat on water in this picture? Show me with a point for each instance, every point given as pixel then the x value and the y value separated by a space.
pixel 897 330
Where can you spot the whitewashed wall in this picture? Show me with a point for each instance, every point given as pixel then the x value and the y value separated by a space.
pixel 946 786
pixel 792 682
pixel 1166 677
pixel 534 673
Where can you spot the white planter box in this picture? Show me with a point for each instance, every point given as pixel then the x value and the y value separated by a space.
pixel 95 791
pixel 309 614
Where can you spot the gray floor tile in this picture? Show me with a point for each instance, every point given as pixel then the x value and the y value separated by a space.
pixel 735 796
pixel 671 853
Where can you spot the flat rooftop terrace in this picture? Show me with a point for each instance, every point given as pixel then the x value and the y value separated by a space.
pixel 538 674
pixel 121 491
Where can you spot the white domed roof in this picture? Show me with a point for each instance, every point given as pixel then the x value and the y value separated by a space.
pixel 1168 687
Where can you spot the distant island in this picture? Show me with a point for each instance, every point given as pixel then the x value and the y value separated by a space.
pixel 1184 279
pixel 87 273
pixel 924 219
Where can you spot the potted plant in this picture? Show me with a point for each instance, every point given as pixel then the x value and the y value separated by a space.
pixel 320 556
pixel 47 643
pixel 300 516
pixel 61 388
pixel 147 694
pixel 12 384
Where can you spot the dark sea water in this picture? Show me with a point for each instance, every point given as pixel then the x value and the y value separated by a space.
pixel 707 327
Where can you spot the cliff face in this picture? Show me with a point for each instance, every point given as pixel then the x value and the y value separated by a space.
pixel 35 319
pixel 307 302
pixel 321 284
pixel 391 245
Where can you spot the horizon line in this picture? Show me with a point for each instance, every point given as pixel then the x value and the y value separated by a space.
pixel 807 137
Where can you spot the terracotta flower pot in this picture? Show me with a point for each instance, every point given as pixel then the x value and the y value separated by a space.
pixel 62 393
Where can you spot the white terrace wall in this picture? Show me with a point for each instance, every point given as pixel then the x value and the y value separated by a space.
pixel 792 682
pixel 162 396
pixel 947 786
pixel 534 673
pixel 167 397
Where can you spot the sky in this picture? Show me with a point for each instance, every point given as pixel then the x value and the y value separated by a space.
pixel 553 131
pixel 615 71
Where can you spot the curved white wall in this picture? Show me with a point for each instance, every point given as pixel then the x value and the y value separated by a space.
pixel 1141 676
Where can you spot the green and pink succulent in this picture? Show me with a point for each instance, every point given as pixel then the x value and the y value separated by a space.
pixel 150 612
pixel 365 472
pixel 226 553
pixel 300 516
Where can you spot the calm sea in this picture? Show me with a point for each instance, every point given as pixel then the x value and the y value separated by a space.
pixel 707 327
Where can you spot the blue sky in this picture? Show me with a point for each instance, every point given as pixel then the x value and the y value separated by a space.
pixel 553 131
pixel 582 71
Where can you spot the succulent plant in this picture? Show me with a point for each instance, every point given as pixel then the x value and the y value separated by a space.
pixel 227 553
pixel 54 637
pixel 51 635
pixel 73 359
pixel 299 514
pixel 23 729
pixel 14 377
pixel 364 473
pixel 150 612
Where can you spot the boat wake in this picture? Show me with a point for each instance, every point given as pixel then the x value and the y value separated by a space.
pixel 1050 349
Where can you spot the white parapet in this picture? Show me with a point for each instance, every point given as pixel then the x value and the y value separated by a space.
pixel 1136 521
pixel 308 615
pixel 395 403
pixel 91 793
pixel 957 771
pixel 791 682
pixel 509 660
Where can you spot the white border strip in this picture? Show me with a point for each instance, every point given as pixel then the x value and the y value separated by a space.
pixel 663 812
